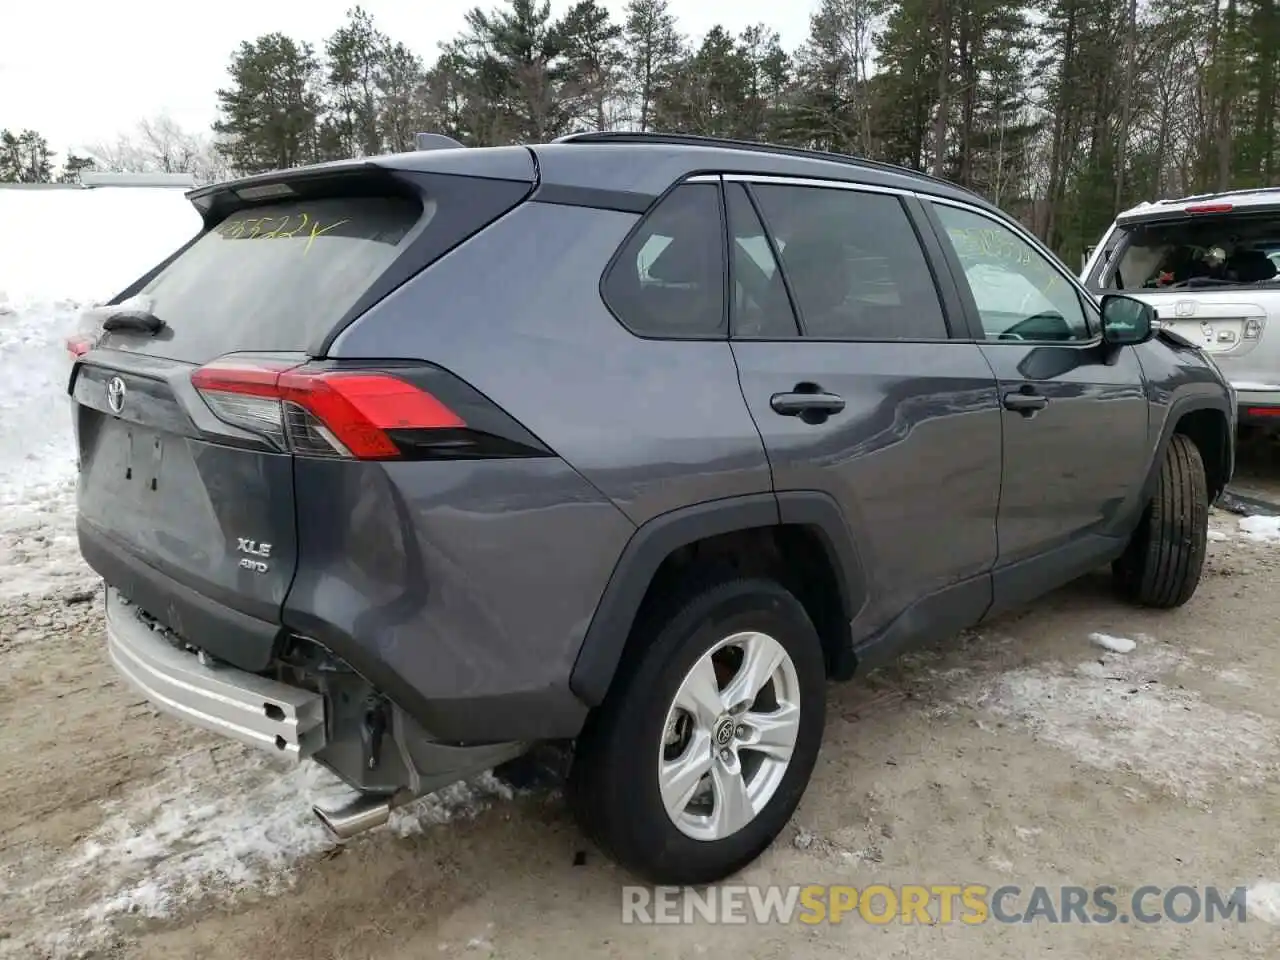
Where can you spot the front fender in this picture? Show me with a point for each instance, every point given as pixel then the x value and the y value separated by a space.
pixel 1180 381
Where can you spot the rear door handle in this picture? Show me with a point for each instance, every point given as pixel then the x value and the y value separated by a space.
pixel 796 404
pixel 1025 403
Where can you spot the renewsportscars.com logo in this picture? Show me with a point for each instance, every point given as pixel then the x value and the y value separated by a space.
pixel 970 904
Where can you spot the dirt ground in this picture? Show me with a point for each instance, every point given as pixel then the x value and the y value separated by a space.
pixel 1021 754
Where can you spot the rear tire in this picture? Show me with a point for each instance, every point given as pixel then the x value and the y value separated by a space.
pixel 682 687
pixel 1162 564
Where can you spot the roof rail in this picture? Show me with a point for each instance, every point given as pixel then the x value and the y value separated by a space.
pixel 698 140
pixel 434 141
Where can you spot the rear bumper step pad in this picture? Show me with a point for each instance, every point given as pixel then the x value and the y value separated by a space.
pixel 263 713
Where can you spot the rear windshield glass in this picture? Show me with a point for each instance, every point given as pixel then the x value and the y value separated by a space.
pixel 276 277
pixel 1199 254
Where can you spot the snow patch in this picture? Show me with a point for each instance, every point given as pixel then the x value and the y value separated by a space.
pixel 60 252
pixel 1235 677
pixel 1261 529
pixel 38 548
pixel 1114 644
pixel 1123 716
pixel 219 822
pixel 1217 536
pixel 1262 902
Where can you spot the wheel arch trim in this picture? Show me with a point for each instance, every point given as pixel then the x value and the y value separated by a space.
pixel 1178 409
pixel 610 628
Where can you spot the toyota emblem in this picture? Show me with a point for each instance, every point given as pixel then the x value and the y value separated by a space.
pixel 115 394
pixel 724 733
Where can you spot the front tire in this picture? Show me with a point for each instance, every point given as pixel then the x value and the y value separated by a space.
pixel 704 747
pixel 1163 563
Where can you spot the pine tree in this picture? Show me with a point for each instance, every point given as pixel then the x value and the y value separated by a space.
pixel 514 59
pixel 25 158
pixel 270 111
pixel 74 166
pixel 401 95
pixel 594 61
pixel 654 48
pixel 768 76
pixel 832 103
pixel 356 56
pixel 704 92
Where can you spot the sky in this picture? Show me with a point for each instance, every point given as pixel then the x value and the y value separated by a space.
pixel 82 74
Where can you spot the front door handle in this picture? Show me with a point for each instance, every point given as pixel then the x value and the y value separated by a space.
pixel 799 404
pixel 1025 403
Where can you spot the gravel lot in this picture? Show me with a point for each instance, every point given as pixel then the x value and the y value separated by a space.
pixel 1025 753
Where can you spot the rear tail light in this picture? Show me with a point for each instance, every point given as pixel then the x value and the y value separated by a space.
pixel 1252 330
pixel 1208 208
pixel 78 346
pixel 322 412
pixel 1263 411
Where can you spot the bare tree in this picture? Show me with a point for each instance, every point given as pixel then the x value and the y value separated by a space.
pixel 160 145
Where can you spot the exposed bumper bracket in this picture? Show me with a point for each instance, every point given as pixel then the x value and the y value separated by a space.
pixel 273 716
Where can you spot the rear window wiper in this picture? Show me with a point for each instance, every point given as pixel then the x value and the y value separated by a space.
pixel 134 321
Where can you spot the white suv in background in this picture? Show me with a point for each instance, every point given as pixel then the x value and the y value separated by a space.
pixel 1210 265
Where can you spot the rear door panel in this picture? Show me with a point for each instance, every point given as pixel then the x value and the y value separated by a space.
pixel 913 458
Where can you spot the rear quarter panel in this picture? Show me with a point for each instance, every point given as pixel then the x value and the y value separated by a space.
pixel 494 570
pixel 462 589
pixel 516 312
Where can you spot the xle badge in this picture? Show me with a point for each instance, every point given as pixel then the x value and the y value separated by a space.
pixel 257 554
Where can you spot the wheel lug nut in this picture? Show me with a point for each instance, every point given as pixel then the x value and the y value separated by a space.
pixel 726 755
pixel 740 732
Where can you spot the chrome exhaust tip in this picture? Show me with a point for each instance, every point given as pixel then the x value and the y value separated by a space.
pixel 363 813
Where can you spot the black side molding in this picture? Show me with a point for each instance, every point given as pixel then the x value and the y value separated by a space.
pixel 624 201
pixel 653 542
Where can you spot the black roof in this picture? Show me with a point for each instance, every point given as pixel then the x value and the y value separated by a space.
pixel 728 143
pixel 595 160
pixel 634 167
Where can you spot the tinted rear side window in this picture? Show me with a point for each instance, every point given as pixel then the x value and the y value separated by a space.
pixel 854 264
pixel 277 277
pixel 761 306
pixel 668 279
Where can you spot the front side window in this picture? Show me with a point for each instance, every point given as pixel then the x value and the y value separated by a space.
pixel 1019 294
pixel 668 279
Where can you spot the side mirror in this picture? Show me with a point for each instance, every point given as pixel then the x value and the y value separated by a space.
pixel 1126 321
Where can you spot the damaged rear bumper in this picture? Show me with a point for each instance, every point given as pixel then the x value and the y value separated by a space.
pixel 257 711
pixel 346 726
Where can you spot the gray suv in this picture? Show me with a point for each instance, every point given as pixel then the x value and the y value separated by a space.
pixel 626 442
